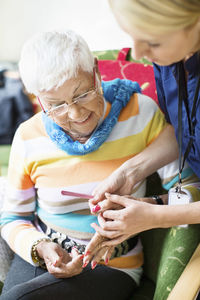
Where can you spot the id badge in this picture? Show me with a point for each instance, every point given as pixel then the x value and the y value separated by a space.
pixel 179 198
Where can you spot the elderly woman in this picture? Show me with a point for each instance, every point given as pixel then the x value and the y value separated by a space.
pixel 82 135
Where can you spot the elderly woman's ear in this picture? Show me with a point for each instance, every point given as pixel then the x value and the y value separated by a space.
pixel 97 68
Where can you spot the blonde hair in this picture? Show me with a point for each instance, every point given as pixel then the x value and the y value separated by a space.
pixel 48 59
pixel 158 16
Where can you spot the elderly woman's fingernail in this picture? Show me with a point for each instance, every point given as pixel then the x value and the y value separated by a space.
pixel 93 264
pixel 85 264
pixel 55 262
pixel 96 208
pixel 87 253
pixel 82 256
pixel 106 261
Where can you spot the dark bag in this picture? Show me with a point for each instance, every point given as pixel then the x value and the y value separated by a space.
pixel 15 107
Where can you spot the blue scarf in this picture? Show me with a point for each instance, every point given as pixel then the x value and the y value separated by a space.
pixel 118 93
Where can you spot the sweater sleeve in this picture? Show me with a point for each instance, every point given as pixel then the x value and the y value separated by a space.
pixel 18 212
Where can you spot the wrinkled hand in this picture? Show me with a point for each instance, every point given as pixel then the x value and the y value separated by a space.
pixel 107 204
pixel 58 261
pixel 119 225
pixel 94 251
pixel 103 205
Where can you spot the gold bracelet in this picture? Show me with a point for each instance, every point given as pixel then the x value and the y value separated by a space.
pixel 34 254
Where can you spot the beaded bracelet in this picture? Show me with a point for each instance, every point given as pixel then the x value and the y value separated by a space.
pixel 34 254
pixel 158 199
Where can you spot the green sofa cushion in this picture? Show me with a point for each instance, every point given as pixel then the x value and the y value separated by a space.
pixel 4 158
pixel 177 248
pixel 113 54
pixel 1 286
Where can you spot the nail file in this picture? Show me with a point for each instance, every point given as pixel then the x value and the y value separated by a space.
pixel 68 193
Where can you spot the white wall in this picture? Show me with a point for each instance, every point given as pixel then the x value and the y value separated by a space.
pixel 90 18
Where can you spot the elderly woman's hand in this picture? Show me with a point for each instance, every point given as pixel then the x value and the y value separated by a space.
pixel 58 261
pixel 103 206
pixel 94 251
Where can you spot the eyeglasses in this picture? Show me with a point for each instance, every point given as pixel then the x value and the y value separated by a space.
pixel 61 109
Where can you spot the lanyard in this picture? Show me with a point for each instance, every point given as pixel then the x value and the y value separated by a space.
pixel 182 94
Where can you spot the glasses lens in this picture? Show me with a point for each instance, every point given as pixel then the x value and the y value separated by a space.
pixel 85 98
pixel 59 110
pixel 82 99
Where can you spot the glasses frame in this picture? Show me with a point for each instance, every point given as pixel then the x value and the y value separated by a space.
pixel 76 98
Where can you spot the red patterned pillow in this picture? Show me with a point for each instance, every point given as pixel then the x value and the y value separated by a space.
pixel 124 69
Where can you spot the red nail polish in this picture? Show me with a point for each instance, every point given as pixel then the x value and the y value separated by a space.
pixel 94 263
pixel 106 261
pixel 87 253
pixel 81 257
pixel 96 208
pixel 85 264
pixel 54 264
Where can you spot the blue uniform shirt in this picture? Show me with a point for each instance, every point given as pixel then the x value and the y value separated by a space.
pixel 167 89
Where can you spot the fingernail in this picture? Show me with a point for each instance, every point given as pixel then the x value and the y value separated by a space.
pixel 106 261
pixel 82 256
pixel 96 208
pixel 93 264
pixel 87 253
pixel 54 264
pixel 85 264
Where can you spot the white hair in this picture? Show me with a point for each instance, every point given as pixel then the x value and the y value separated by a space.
pixel 48 59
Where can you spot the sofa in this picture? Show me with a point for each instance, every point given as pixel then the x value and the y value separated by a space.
pixel 166 251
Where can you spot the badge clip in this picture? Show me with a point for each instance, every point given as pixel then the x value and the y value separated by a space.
pixel 178 188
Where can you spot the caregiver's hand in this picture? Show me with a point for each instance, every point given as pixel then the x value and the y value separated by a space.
pixel 160 152
pixel 58 261
pixel 119 225
pixel 119 182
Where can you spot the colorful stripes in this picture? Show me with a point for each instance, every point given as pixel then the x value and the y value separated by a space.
pixel 38 171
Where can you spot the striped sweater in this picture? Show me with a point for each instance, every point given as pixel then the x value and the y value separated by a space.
pixel 38 171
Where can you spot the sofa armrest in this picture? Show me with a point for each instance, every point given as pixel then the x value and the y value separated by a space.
pixel 188 283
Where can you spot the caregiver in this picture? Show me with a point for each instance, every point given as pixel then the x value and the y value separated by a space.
pixel 167 33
